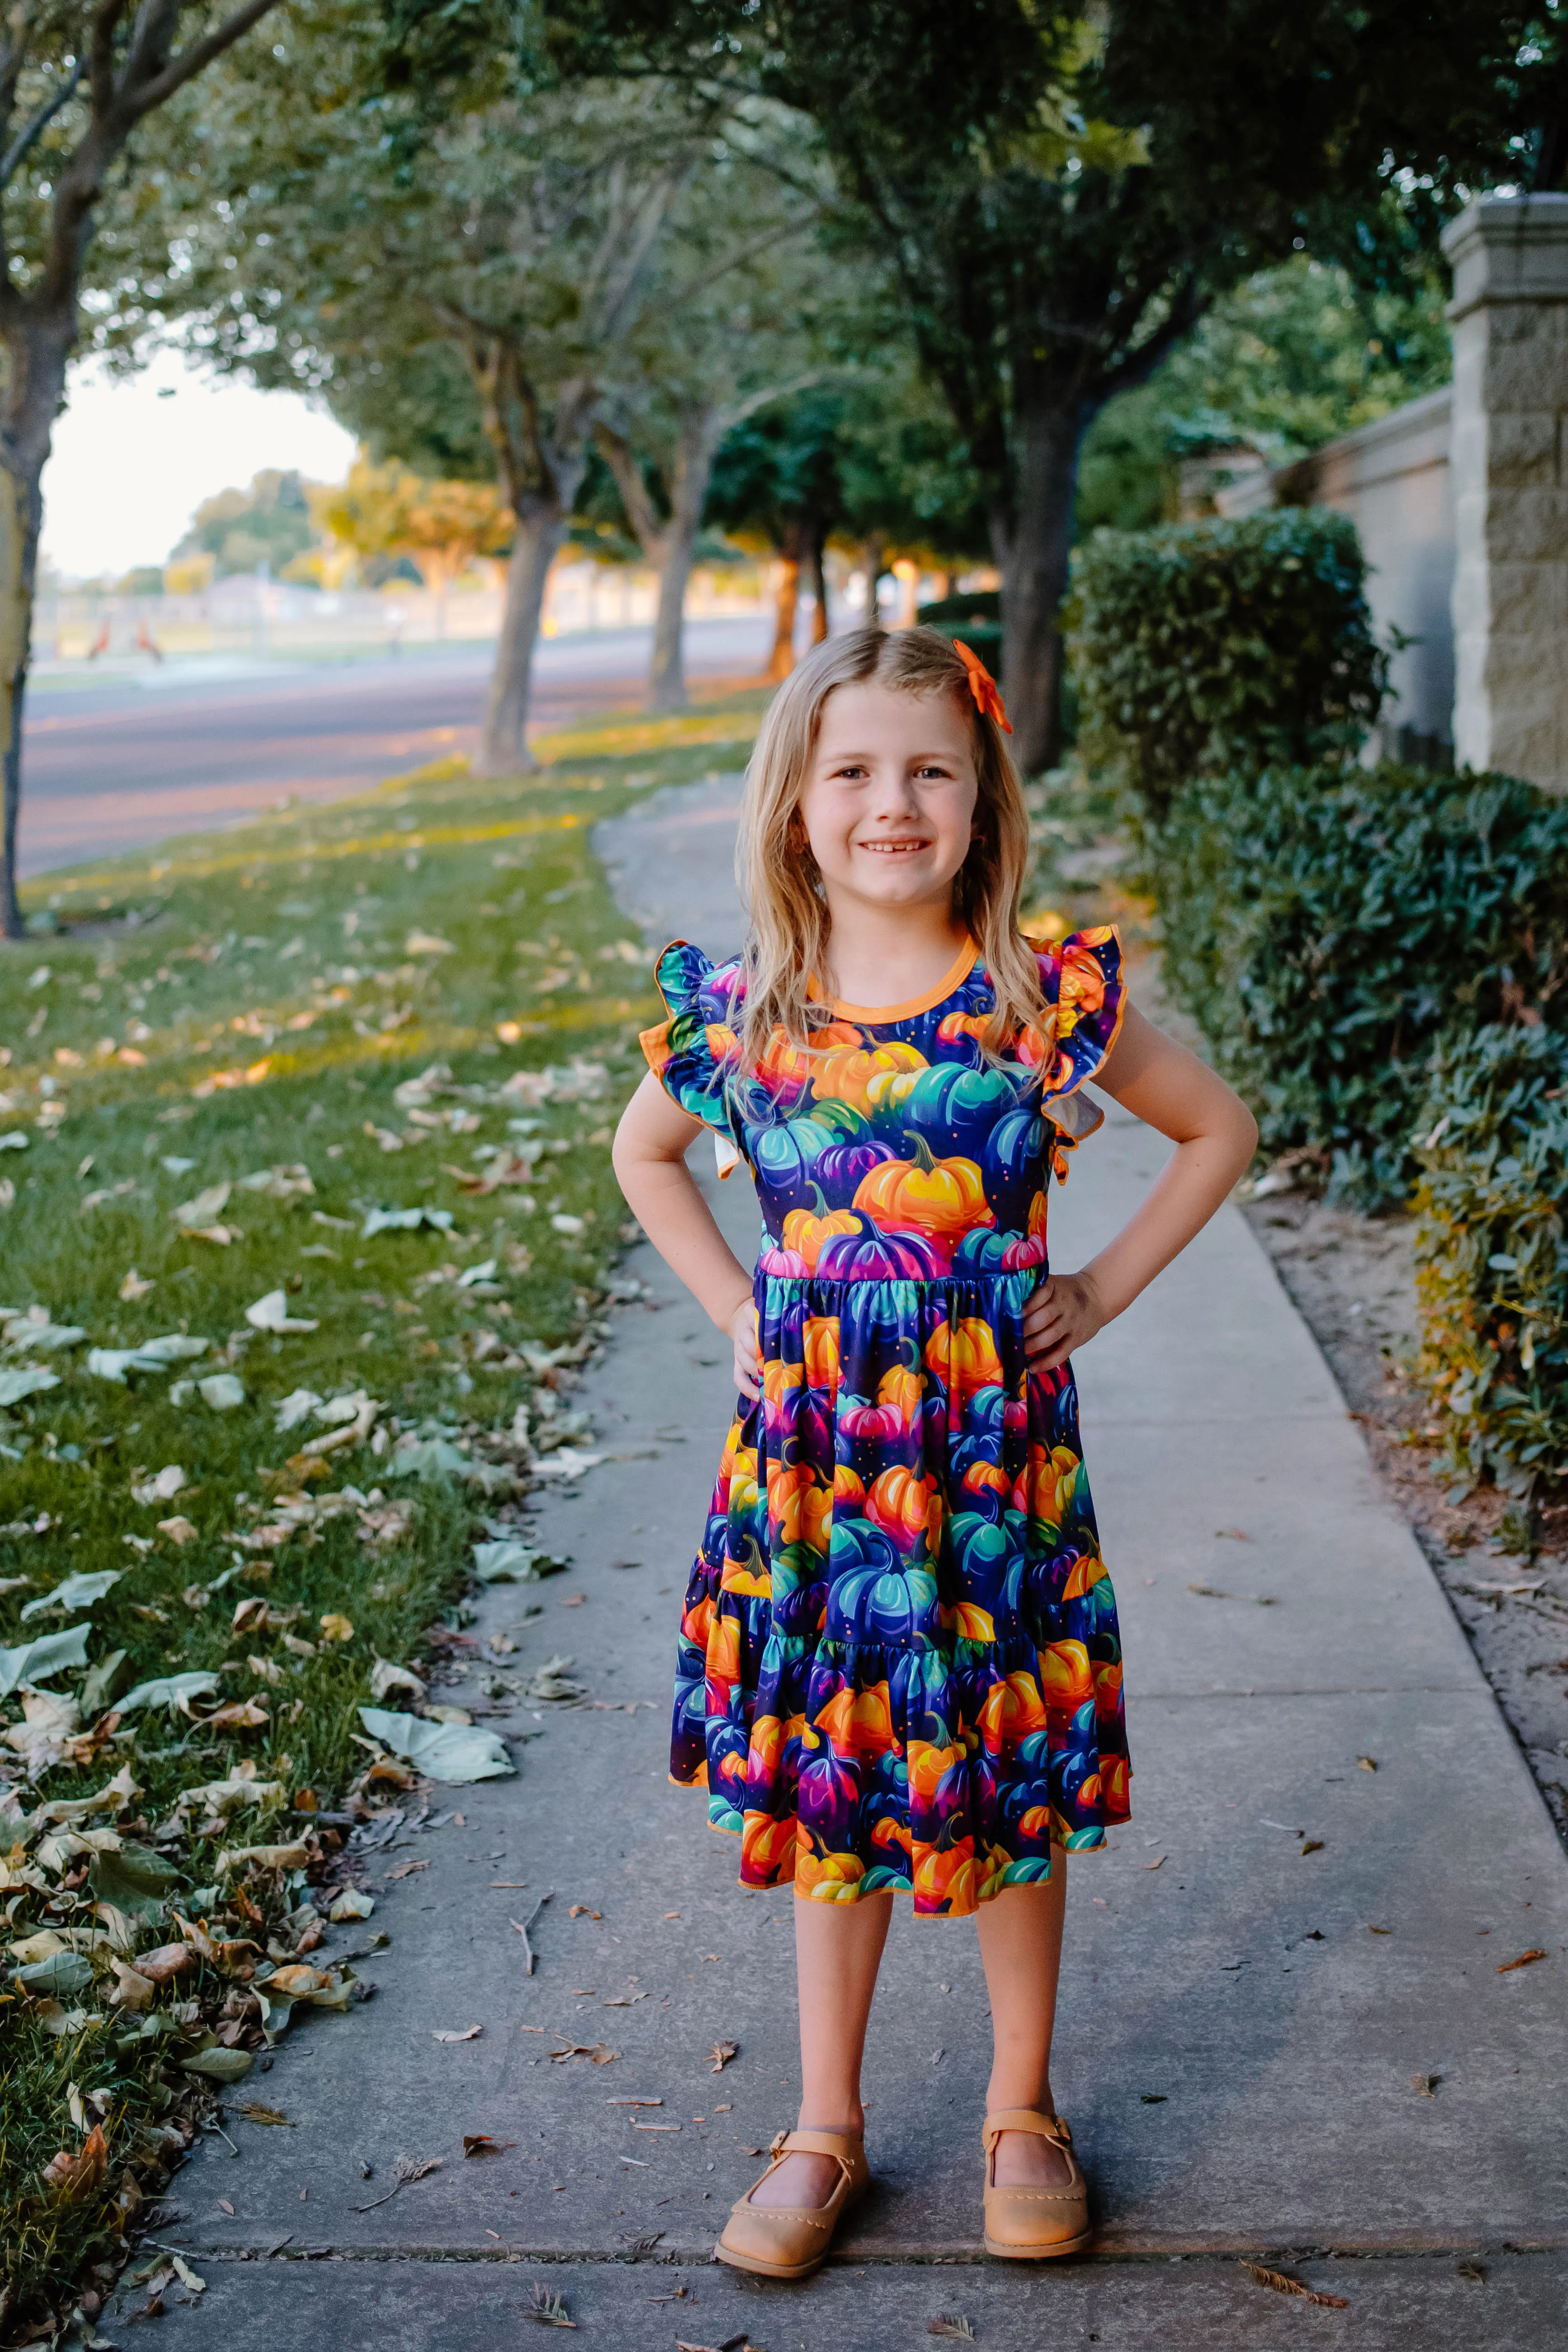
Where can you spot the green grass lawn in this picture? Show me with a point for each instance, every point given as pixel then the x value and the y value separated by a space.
pixel 218 1067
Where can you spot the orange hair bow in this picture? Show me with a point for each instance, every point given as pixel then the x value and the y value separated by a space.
pixel 983 688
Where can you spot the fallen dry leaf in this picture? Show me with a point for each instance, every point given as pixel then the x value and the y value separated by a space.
pixel 482 2144
pixel 1313 1845
pixel 1237 1535
pixel 68 2177
pixel 257 2113
pixel 240 1715
pixel 470 2034
pixel 336 1627
pixel 406 1869
pixel 1536 1952
pixel 949 2326
pixel 1157 1864
pixel 721 2053
pixel 406 2168
pixel 1281 2284
pixel 1367 1763
pixel 599 2052
pixel 1212 1592
pixel 1425 2085
pixel 548 2307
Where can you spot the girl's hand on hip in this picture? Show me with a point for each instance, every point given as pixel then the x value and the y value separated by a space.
pixel 1064 1314
pixel 748 1351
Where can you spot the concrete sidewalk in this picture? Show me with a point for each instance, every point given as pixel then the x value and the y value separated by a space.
pixel 1237 2045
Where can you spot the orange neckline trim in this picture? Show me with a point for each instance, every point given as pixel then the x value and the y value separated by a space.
pixel 953 978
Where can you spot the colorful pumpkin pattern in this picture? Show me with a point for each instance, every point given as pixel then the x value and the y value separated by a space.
pixel 899 1662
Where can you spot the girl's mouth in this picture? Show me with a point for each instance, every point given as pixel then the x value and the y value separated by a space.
pixel 900 848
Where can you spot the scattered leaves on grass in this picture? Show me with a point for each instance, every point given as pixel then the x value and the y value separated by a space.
pixel 1536 1952
pixel 721 2053
pixel 1283 2284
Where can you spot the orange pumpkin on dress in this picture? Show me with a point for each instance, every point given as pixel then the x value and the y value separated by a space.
pixel 942 1198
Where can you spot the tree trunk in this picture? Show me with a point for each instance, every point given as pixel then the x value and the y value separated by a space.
pixel 690 472
pixel 36 351
pixel 503 746
pixel 819 584
pixel 1033 549
pixel 786 601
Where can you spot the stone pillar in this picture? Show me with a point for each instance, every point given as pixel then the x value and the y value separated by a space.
pixel 1509 471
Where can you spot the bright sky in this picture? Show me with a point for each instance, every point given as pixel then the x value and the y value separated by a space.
pixel 131 461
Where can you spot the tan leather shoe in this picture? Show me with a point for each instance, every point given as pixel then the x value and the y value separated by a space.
pixel 1031 2224
pixel 790 2241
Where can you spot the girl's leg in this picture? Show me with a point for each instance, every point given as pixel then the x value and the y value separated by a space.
pixel 1021 1947
pixel 837 1951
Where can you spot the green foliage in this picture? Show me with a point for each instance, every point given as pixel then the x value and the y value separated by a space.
pixel 1330 926
pixel 1298 355
pixel 270 522
pixel 976 619
pixel 1212 647
pixel 1290 358
pixel 1491 1250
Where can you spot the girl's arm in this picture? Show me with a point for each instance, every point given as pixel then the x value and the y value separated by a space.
pixel 1215 1136
pixel 651 1144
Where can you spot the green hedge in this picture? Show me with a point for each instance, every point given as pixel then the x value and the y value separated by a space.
pixel 1330 926
pixel 977 619
pixel 1491 1253
pixel 1209 647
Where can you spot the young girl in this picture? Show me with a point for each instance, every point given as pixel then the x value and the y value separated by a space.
pixel 898 1664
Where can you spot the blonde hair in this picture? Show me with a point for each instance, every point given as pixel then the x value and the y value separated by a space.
pixel 789 940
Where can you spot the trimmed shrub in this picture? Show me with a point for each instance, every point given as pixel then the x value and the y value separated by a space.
pixel 1329 927
pixel 1213 647
pixel 1491 1253
pixel 977 619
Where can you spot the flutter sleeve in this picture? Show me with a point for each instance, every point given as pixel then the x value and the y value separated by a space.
pixel 1086 999
pixel 695 1054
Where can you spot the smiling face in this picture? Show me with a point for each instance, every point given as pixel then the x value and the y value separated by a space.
pixel 890 796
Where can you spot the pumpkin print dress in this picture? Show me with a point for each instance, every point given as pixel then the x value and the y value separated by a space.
pixel 899 1662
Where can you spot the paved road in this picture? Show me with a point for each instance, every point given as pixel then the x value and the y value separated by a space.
pixel 127 763
pixel 1237 2046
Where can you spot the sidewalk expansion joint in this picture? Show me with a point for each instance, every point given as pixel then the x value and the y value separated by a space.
pixel 1271 2250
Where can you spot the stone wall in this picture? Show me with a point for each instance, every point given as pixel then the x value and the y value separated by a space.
pixel 1510 315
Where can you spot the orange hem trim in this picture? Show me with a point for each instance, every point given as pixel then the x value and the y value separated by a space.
pixel 749 1886
pixel 953 978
